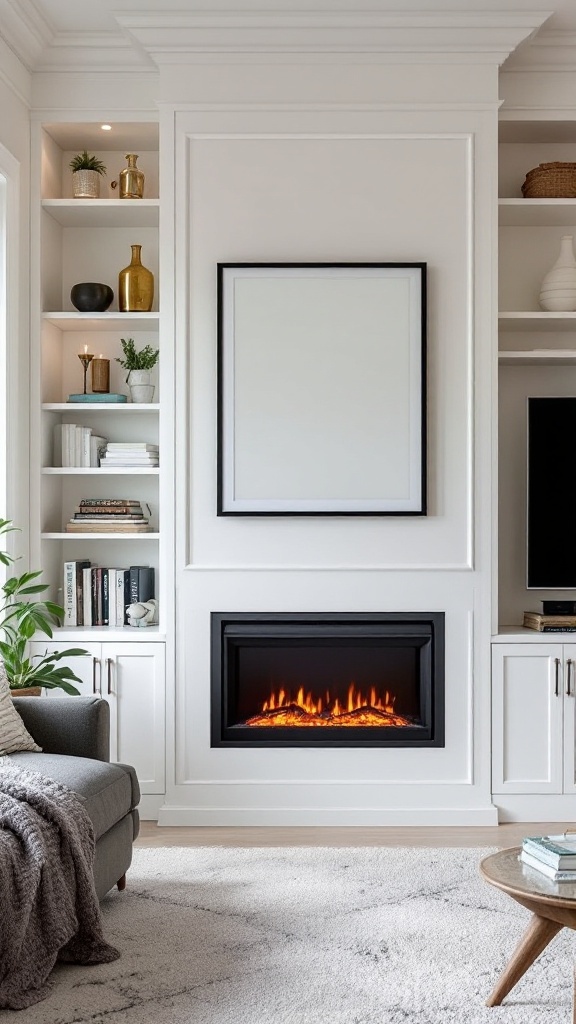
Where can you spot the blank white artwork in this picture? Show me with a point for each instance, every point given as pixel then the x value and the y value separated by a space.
pixel 321 389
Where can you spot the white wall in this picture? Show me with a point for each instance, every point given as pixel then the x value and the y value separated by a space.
pixel 15 85
pixel 307 181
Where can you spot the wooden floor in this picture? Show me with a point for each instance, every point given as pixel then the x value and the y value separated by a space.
pixel 497 835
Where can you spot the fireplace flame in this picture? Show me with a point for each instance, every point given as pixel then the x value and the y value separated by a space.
pixel 304 709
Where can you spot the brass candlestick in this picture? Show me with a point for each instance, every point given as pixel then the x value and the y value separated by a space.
pixel 85 358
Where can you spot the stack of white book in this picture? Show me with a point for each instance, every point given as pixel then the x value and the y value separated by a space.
pixel 553 856
pixel 130 454
pixel 76 445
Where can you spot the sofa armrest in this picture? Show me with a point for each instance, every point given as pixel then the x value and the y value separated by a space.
pixel 79 726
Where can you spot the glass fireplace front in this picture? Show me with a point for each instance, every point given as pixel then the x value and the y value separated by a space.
pixel 360 679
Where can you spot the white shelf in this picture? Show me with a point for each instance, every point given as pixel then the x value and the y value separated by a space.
pixel 108 407
pixel 104 213
pixel 74 321
pixel 537 321
pixel 511 634
pixel 150 634
pixel 100 471
pixel 100 536
pixel 538 357
pixel 537 212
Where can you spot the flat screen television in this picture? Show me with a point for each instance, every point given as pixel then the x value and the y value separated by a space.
pixel 551 537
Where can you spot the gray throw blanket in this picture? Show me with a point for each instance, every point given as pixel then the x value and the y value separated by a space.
pixel 48 904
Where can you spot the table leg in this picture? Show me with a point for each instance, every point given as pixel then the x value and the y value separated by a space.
pixel 536 937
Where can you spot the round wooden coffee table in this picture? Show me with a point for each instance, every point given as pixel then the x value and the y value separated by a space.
pixel 553 907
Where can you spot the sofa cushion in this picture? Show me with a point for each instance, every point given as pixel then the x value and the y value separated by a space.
pixel 13 733
pixel 107 788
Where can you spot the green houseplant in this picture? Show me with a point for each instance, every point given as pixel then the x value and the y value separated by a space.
pixel 21 616
pixel 138 365
pixel 86 172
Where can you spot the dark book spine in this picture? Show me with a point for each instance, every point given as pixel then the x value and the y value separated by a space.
pixel 145 583
pixel 98 621
pixel 558 629
pixel 94 580
pixel 105 597
pixel 126 594
pixel 134 578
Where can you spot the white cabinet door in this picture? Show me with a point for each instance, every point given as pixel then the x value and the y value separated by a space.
pixel 569 758
pixel 87 667
pixel 527 718
pixel 133 682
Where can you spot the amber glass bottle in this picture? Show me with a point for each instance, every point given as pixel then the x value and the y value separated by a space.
pixel 135 286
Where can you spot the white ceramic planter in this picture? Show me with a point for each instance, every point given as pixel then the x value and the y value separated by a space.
pixel 141 393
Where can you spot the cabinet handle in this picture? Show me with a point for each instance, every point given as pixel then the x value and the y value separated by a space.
pixel 557 676
pixel 95 661
pixel 569 667
pixel 109 671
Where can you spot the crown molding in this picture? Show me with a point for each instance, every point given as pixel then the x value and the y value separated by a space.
pixel 144 40
pixel 547 51
pixel 93 51
pixel 180 37
pixel 25 30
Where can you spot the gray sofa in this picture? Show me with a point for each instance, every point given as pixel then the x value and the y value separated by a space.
pixel 74 733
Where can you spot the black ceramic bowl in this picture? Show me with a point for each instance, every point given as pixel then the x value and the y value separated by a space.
pixel 90 297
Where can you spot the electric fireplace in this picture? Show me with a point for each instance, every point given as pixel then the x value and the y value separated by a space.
pixel 331 679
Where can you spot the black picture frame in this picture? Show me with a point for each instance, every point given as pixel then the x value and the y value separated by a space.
pixel 321 389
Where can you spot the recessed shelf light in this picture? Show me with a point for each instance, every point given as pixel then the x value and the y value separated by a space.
pixel 106 127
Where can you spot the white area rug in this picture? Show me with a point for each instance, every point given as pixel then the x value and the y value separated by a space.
pixel 309 936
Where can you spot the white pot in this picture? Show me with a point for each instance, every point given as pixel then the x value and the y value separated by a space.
pixel 138 377
pixel 558 290
pixel 140 393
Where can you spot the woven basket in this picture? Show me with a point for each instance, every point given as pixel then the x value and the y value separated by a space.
pixel 555 180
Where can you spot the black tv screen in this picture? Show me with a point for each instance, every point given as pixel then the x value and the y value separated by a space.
pixel 552 493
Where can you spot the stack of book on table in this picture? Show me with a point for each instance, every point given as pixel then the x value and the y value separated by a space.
pixel 550 623
pixel 109 515
pixel 553 856
pixel 130 454
pixel 97 595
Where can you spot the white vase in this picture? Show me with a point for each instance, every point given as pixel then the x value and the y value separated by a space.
pixel 558 289
pixel 141 390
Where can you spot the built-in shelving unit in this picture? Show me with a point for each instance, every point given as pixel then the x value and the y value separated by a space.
pixel 537 348
pixel 78 240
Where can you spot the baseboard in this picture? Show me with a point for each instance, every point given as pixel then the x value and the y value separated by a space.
pixel 149 807
pixel 173 815
pixel 539 807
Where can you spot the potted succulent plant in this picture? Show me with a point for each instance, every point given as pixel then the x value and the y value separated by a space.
pixel 138 365
pixel 86 172
pixel 21 616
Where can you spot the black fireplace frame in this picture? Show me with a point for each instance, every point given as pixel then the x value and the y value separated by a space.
pixel 426 629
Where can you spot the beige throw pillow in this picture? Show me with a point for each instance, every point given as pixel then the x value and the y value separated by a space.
pixel 13 733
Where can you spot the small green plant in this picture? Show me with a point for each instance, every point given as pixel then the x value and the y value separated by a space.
pixel 145 359
pixel 86 162
pixel 21 616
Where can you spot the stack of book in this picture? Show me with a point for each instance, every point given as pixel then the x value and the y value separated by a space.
pixel 108 515
pixel 75 445
pixel 553 856
pixel 96 595
pixel 130 454
pixel 550 623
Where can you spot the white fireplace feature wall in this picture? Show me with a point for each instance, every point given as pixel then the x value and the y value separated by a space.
pixel 285 152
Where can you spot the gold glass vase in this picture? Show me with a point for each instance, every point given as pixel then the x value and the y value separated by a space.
pixel 131 179
pixel 135 286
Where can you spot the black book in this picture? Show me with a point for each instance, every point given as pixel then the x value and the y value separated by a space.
pixel 94 581
pixel 105 597
pixel 141 583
